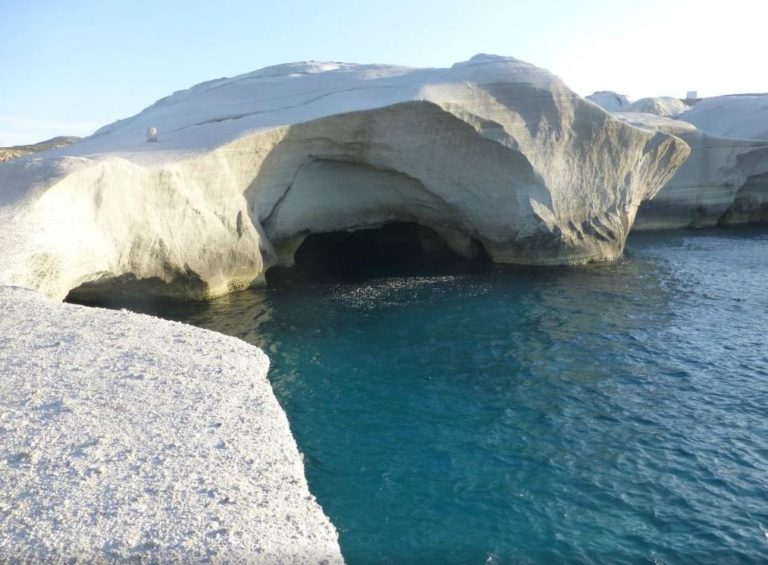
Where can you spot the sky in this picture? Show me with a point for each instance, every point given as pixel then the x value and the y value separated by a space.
pixel 71 66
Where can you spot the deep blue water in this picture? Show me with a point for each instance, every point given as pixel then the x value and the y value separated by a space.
pixel 614 413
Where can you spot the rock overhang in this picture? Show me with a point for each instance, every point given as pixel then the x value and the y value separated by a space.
pixel 495 149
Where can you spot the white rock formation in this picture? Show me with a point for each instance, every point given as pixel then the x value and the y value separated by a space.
pixel 493 152
pixel 128 438
pixel 737 116
pixel 724 181
pixel 610 101
pixel 664 106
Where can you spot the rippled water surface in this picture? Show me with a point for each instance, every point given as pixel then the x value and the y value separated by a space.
pixel 605 413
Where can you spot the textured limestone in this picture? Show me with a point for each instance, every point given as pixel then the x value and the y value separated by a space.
pixel 664 106
pixel 124 438
pixel 492 152
pixel 735 116
pixel 9 153
pixel 724 181
pixel 750 204
pixel 610 101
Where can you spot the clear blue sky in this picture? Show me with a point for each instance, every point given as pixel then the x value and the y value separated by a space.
pixel 70 66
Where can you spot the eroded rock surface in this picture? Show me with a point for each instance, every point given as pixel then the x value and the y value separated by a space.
pixel 735 116
pixel 9 153
pixel 723 182
pixel 664 106
pixel 125 438
pixel 492 152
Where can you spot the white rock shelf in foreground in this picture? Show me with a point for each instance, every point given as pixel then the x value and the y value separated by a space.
pixel 123 436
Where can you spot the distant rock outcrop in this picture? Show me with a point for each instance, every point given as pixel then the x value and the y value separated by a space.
pixel 8 153
pixel 610 101
pixel 493 154
pixel 664 106
pixel 724 181
pixel 736 116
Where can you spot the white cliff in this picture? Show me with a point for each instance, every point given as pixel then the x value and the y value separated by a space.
pixel 610 101
pixel 736 116
pixel 125 438
pixel 664 106
pixel 713 185
pixel 492 154
pixel 725 180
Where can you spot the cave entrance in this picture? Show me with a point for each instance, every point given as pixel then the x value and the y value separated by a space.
pixel 395 249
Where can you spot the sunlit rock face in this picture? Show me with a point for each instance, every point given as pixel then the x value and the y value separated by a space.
pixel 492 154
pixel 664 106
pixel 735 116
pixel 16 151
pixel 723 182
pixel 130 439
pixel 750 204
pixel 610 101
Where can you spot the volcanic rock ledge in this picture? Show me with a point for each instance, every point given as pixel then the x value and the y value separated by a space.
pixel 725 180
pixel 124 438
pixel 492 154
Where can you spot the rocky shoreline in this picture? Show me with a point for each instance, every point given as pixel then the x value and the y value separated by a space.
pixel 126 437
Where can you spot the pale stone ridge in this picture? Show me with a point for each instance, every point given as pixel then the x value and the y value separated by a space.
pixel 610 101
pixel 664 106
pixel 723 182
pixel 736 116
pixel 492 152
pixel 9 153
pixel 126 438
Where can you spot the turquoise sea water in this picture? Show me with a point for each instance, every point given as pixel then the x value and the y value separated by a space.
pixel 614 413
